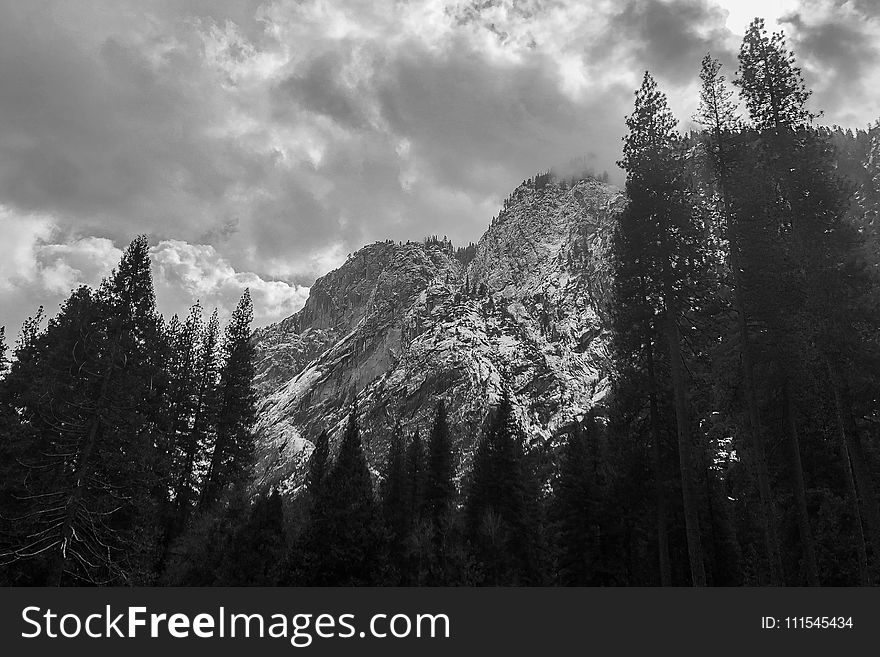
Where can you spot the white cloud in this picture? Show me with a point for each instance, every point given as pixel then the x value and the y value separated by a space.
pixel 21 237
pixel 284 134
pixel 30 260
pixel 184 273
pixel 742 12
pixel 38 268
pixel 84 261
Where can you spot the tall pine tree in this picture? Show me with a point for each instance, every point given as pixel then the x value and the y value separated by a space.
pixel 232 451
pixel 88 452
pixel 439 493
pixel 344 538
pixel 663 241
pixel 733 177
pixel 499 524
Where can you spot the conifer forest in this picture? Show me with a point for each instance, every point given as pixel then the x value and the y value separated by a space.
pixel 738 442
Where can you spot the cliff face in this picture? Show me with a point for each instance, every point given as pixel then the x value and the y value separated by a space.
pixel 399 327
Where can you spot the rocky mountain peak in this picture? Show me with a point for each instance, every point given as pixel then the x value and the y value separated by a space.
pixel 400 326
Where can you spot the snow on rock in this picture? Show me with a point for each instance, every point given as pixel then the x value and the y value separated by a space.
pixel 400 326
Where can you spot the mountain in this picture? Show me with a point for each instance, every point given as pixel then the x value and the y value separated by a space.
pixel 400 326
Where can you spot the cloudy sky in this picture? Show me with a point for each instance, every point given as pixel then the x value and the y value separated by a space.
pixel 257 143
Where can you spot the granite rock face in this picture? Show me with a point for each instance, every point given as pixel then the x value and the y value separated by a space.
pixel 400 326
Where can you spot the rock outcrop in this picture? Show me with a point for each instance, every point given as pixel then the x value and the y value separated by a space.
pixel 400 326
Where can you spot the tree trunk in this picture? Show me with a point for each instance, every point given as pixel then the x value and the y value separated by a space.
pixel 803 516
pixel 664 560
pixel 84 465
pixel 753 429
pixel 852 498
pixel 689 499
pixel 867 496
pixel 68 529
pixel 755 436
pixel 659 479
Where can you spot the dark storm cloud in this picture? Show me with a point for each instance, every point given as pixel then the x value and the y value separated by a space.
pixel 669 38
pixel 119 137
pixel 838 45
pixel 865 7
pixel 99 135
pixel 319 89
pixel 476 123
pixel 268 139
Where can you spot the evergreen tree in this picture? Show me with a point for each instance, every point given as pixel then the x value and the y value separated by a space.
pixel 577 502
pixel 812 271
pixel 193 373
pixel 344 540
pixel 717 112
pixel 662 237
pixel 772 86
pixel 439 492
pixel 318 466
pixel 232 453
pixel 183 382
pixel 4 361
pixel 203 427
pixel 17 439
pixel 307 549
pixel 414 478
pixel 257 545
pixel 439 489
pixel 398 522
pixel 419 541
pixel 88 453
pixel 498 523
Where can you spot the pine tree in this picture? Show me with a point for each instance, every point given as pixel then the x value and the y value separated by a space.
pixel 344 540
pixel 318 466
pixel 193 373
pixel 203 428
pixel 232 453
pixel 577 507
pixel 837 314
pixel 665 241
pixel 499 526
pixel 398 522
pixel 19 434
pixel 414 478
pixel 439 492
pixel 307 550
pixel 4 361
pixel 419 540
pixel 18 384
pixel 717 112
pixel 439 488
pixel 182 393
pixel 772 86
pixel 256 546
pixel 182 373
pixel 813 264
pixel 93 414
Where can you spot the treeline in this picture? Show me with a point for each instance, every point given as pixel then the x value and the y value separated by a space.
pixel 464 254
pixel 416 528
pixel 746 340
pixel 119 432
pixel 126 448
pixel 738 444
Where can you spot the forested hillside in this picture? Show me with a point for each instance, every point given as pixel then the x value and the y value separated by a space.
pixel 674 385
